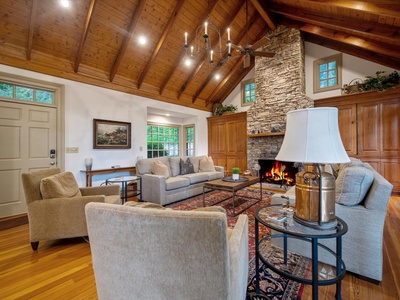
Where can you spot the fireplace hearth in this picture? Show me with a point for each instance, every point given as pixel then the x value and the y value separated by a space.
pixel 277 172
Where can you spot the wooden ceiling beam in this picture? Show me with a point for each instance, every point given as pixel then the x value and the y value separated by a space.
pixel 31 30
pixel 122 49
pixel 219 64
pixel 161 41
pixel 85 32
pixel 352 50
pixel 205 57
pixel 264 13
pixel 373 30
pixel 379 48
pixel 183 52
pixel 227 77
pixel 390 8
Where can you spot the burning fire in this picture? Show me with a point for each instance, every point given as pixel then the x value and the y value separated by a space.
pixel 277 174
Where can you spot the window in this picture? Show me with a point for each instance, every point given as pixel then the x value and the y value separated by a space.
pixel 162 140
pixel 189 140
pixel 24 93
pixel 165 140
pixel 328 73
pixel 248 92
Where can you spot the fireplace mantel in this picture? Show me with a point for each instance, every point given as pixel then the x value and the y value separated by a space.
pixel 256 135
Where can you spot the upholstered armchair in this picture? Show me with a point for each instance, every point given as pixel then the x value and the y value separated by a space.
pixel 56 205
pixel 142 252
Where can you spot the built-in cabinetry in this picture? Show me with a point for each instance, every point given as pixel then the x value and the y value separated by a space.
pixel 227 140
pixel 369 125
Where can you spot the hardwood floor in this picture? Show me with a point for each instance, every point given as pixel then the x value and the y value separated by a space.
pixel 63 269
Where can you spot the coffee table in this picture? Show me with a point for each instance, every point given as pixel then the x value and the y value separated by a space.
pixel 232 186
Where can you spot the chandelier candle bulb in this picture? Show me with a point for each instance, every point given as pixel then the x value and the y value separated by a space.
pixel 229 34
pixel 186 35
pixel 205 28
pixel 211 55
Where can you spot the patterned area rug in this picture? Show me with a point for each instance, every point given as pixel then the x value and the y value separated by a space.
pixel 272 286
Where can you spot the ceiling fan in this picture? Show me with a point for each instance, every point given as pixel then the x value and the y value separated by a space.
pixel 251 50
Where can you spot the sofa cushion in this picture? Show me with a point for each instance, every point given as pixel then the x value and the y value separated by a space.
pixel 158 168
pixel 196 177
pixel 186 167
pixel 213 175
pixel 175 165
pixel 61 185
pixel 176 183
pixel 206 164
pixel 144 166
pixel 353 184
pixel 136 204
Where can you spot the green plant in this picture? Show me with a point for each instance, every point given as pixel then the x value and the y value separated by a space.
pixel 235 170
pixel 225 108
pixel 379 82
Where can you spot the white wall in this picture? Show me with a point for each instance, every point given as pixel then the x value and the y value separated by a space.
pixel 352 68
pixel 83 103
pixel 235 97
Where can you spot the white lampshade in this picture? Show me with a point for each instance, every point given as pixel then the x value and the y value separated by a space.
pixel 312 136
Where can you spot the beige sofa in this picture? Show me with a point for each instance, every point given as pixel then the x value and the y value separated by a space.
pixel 159 253
pixel 175 186
pixel 362 196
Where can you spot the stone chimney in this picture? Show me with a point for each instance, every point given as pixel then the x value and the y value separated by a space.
pixel 280 87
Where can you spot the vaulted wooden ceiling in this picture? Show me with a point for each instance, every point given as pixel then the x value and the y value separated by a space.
pixel 95 41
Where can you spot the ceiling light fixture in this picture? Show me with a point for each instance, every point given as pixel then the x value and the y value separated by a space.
pixel 206 34
pixel 142 40
pixel 65 3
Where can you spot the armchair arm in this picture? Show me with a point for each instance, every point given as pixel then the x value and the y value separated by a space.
pixel 239 257
pixel 106 190
pixel 219 169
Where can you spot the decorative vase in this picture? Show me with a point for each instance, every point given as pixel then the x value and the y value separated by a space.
pixel 235 176
pixel 88 163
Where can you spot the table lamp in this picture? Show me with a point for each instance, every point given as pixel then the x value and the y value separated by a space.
pixel 312 137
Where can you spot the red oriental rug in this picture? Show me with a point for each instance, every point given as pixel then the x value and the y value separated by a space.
pixel 272 286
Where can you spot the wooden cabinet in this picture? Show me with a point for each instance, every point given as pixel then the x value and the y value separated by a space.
pixel 369 125
pixel 227 140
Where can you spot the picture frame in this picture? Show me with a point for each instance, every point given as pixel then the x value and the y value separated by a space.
pixel 109 134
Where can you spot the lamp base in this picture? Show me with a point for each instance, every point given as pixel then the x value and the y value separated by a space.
pixel 316 225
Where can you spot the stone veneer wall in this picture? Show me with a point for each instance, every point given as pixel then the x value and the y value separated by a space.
pixel 280 87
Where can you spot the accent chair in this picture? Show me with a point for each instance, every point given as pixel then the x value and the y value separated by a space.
pixel 151 252
pixel 56 205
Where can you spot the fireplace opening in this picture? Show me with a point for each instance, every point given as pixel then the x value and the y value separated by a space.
pixel 277 172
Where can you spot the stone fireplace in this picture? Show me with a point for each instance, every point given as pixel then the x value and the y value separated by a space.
pixel 280 87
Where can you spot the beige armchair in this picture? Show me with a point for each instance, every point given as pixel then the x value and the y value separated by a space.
pixel 147 253
pixel 61 217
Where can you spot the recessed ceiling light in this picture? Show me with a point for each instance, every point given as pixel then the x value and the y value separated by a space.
pixel 65 3
pixel 217 76
pixel 142 40
pixel 188 62
pixel 167 115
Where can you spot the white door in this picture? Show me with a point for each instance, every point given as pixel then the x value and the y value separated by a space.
pixel 27 138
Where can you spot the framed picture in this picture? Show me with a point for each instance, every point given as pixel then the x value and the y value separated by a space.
pixel 111 134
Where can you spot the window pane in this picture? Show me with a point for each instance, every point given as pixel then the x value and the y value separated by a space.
pixel 24 93
pixel 323 67
pixel 332 74
pixel 332 65
pixel 323 75
pixel 44 96
pixel 6 90
pixel 323 84
pixel 332 82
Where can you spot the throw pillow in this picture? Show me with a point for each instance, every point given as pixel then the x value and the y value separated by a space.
pixel 158 168
pixel 186 167
pixel 353 184
pixel 206 164
pixel 61 185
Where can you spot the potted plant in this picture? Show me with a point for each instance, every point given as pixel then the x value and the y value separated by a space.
pixel 226 109
pixel 235 173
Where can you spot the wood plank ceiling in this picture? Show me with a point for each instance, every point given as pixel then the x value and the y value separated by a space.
pixel 96 41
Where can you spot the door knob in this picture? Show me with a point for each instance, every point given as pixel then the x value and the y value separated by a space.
pixel 52 163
